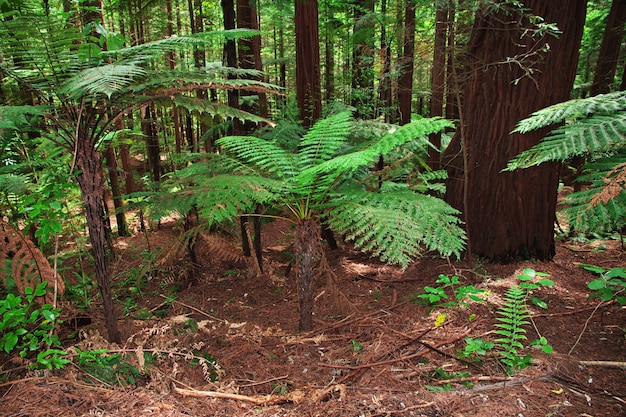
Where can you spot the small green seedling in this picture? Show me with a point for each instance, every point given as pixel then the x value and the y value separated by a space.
pixel 610 285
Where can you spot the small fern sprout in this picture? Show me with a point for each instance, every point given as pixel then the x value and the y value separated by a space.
pixel 317 181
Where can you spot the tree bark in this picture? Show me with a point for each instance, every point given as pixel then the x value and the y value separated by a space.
pixel 438 81
pixel 92 186
pixel 510 216
pixel 308 83
pixel 363 59
pixel 307 252
pixel 405 82
pixel 608 56
pixel 118 203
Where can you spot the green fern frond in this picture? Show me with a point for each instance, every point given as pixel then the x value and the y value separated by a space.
pixel 573 110
pixel 512 316
pixel 397 225
pixel 597 133
pixel 14 184
pixel 218 198
pixel 104 80
pixel 348 163
pixel 260 153
pixel 200 107
pixel 324 139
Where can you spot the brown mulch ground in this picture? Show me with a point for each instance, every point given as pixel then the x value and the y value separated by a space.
pixel 373 352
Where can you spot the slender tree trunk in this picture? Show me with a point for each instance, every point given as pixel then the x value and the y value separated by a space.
pixel 118 203
pixel 384 83
pixel 307 253
pixel 438 81
pixel 363 59
pixel 149 128
pixel 92 186
pixel 405 82
pixel 510 215
pixel 308 83
pixel 610 47
pixel 452 91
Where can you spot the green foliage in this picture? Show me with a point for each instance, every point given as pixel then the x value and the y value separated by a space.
pixel 474 348
pixel 594 128
pixel 322 177
pixel 436 296
pixel 27 327
pixel 111 368
pixel 611 285
pixel 512 317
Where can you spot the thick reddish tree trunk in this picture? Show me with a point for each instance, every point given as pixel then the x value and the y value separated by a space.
pixel 308 82
pixel 511 215
pixel 438 81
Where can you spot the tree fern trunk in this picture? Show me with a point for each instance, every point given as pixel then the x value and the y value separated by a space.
pixel 91 186
pixel 307 250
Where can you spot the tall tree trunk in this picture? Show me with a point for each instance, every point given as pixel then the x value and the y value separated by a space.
pixel 149 129
pixel 511 215
pixel 363 59
pixel 384 83
pixel 603 78
pixel 452 92
pixel 92 187
pixel 171 61
pixel 438 80
pixel 308 83
pixel 405 82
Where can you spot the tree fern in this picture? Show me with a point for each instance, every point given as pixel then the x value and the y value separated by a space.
pixel 595 128
pixel 316 180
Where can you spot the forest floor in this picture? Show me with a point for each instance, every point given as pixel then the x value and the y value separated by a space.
pixel 375 349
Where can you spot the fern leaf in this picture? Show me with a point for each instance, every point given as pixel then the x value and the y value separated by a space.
pixel 29 267
pixel 348 163
pixel 104 80
pixel 397 226
pixel 598 133
pixel 201 107
pixel 324 139
pixel 573 109
pixel 260 153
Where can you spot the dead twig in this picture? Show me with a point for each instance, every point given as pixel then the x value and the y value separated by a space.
pixel 607 364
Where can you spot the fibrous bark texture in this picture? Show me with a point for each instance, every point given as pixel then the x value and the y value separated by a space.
pixel 511 74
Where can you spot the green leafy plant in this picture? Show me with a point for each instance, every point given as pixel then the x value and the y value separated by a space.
pixel 111 368
pixel 611 285
pixel 323 179
pixel 436 296
pixel 513 316
pixel 475 348
pixel 27 327
pixel 356 346
pixel 594 128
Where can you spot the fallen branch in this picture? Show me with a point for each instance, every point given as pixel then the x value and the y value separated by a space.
pixel 606 364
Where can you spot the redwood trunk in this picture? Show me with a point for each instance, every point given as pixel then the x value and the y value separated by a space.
pixel 405 82
pixel 438 81
pixel 511 215
pixel 608 56
pixel 308 83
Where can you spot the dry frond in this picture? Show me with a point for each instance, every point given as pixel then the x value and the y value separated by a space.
pixel 29 267
pixel 217 249
pixel 615 181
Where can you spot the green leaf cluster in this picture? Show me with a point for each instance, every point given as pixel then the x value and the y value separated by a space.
pixel 26 327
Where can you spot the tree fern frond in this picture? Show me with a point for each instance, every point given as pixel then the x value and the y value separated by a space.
pixel 597 133
pixel 260 153
pixel 324 139
pixel 103 80
pixel 200 107
pixel 573 109
pixel 348 163
pixel 218 198
pixel 14 184
pixel 397 225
